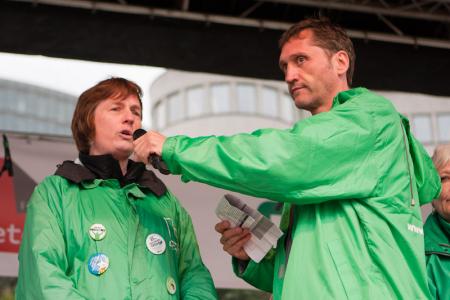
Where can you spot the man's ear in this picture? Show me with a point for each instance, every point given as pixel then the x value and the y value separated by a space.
pixel 341 62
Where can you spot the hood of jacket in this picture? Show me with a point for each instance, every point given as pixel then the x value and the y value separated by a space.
pixel 427 179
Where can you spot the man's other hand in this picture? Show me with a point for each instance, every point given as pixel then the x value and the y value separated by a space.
pixel 233 239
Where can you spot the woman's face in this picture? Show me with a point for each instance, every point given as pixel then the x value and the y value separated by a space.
pixel 442 205
pixel 115 121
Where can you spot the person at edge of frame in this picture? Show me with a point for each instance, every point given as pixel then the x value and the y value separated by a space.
pixel 437 230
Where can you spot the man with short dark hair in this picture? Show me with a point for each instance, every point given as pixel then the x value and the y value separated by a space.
pixel 352 178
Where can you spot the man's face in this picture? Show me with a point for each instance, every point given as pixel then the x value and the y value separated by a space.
pixel 442 205
pixel 309 72
pixel 115 121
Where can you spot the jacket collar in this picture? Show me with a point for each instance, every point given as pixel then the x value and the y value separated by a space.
pixel 437 232
pixel 103 167
pixel 343 96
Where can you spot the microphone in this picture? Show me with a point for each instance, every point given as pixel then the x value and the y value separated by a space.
pixel 154 159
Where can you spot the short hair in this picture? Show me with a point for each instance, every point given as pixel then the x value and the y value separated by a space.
pixel 83 128
pixel 328 36
pixel 441 155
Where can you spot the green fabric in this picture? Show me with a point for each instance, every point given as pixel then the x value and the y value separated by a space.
pixel 356 176
pixel 56 245
pixel 437 250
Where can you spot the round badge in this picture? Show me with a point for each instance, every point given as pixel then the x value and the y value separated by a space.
pixel 98 264
pixel 171 285
pixel 155 243
pixel 97 232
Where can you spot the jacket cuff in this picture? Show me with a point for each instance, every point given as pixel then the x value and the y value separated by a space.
pixel 242 268
pixel 168 153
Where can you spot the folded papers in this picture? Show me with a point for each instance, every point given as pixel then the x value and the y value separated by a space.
pixel 264 234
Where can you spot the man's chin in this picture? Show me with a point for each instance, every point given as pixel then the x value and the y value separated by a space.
pixel 302 103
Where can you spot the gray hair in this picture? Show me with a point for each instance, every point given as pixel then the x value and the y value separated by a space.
pixel 441 155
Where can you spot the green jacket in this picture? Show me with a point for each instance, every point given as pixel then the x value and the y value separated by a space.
pixel 355 177
pixel 437 250
pixel 56 244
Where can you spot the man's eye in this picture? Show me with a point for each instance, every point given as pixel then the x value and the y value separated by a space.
pixel 445 178
pixel 300 59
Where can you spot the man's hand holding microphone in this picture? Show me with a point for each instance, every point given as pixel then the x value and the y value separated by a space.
pixel 148 149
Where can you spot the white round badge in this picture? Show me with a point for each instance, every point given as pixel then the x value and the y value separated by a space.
pixel 97 232
pixel 155 243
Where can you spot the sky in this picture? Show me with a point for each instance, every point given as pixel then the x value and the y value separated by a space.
pixel 75 76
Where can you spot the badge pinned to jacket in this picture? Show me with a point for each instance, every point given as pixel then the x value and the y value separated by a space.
pixel 172 233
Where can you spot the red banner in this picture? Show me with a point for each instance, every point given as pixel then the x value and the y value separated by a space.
pixel 11 222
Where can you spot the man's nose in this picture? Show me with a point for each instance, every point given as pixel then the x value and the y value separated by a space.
pixel 291 74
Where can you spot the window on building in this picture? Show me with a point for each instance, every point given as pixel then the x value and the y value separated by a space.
pixel 3 120
pixel 160 115
pixel 196 101
pixel 443 121
pixel 61 116
pixel 422 128
pixel 42 110
pixel 220 96
pixel 287 108
pixel 269 102
pixel 7 122
pixel 70 107
pixel 246 98
pixel 21 105
pixel 31 104
pixel 175 107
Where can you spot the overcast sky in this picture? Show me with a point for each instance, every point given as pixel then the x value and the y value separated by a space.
pixel 74 76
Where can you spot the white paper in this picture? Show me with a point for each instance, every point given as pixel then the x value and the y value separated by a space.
pixel 264 234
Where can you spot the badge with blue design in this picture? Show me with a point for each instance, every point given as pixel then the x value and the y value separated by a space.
pixel 98 264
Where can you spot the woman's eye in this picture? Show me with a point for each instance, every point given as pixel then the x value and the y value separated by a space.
pixel 445 178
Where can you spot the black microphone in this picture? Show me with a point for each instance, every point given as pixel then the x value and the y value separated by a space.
pixel 154 159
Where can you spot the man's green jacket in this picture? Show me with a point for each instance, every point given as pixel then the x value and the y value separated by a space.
pixel 57 246
pixel 355 178
pixel 437 250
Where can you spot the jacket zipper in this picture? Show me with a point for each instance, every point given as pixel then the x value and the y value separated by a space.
pixel 413 201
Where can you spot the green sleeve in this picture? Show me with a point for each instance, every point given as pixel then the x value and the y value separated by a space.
pixel 325 157
pixel 195 279
pixel 259 275
pixel 42 259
